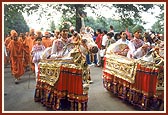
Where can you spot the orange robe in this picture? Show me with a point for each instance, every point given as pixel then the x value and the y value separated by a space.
pixel 6 57
pixel 26 51
pixel 16 56
pixel 7 41
pixel 47 42
pixel 31 43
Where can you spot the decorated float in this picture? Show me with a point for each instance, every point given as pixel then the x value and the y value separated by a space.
pixel 62 85
pixel 139 82
pixel 63 82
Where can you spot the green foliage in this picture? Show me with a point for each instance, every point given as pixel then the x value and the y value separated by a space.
pixel 104 24
pixel 129 14
pixel 136 28
pixel 64 25
pixel 13 19
pixel 126 12
pixel 52 26
pixel 131 10
pixel 98 23
pixel 158 26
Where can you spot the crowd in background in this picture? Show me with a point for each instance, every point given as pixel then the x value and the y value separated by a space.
pixel 22 50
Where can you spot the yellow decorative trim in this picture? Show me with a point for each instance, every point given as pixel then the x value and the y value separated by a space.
pixel 121 67
pixel 49 71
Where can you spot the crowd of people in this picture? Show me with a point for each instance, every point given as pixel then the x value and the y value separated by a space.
pixel 139 44
pixel 23 52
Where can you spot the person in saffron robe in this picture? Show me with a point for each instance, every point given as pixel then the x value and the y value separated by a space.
pixel 36 52
pixel 27 34
pixel 46 41
pixel 13 33
pixel 39 33
pixel 16 56
pixel 31 42
pixel 24 40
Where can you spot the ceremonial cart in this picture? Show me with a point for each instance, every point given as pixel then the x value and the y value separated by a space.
pixel 137 82
pixel 62 84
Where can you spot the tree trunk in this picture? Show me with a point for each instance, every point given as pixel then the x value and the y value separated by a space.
pixel 78 20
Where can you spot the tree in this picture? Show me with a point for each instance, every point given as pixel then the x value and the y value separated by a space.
pixel 52 26
pixel 158 26
pixel 71 12
pixel 13 19
pixel 106 22
pixel 127 12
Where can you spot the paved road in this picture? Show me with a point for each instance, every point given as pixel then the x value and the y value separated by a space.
pixel 20 97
